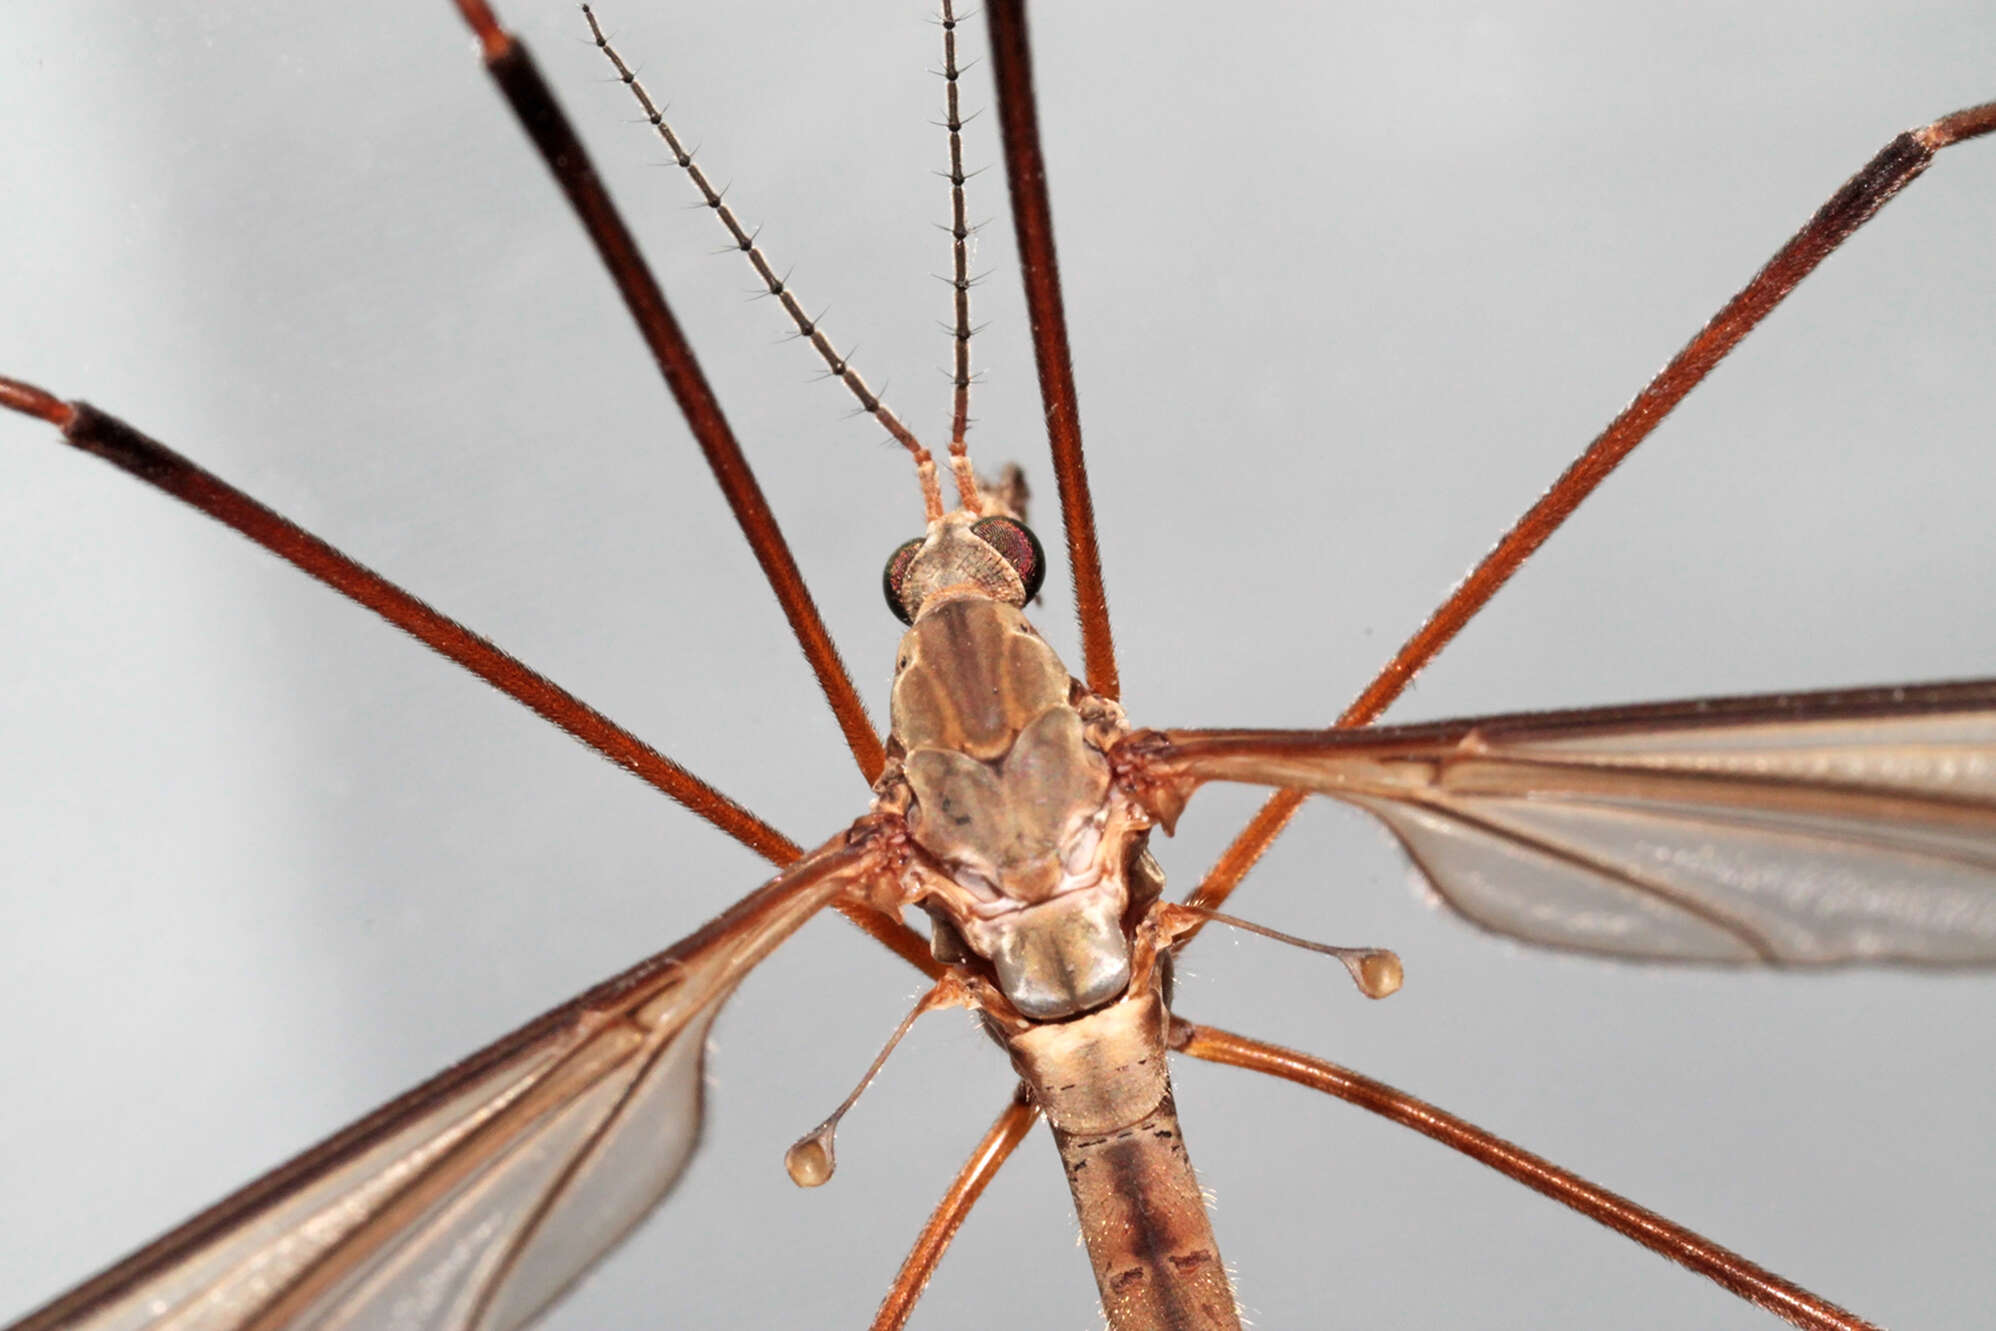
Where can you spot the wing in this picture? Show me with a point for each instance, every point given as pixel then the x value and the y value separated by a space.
pixel 474 1200
pixel 1796 829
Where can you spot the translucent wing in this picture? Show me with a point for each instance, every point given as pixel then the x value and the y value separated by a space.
pixel 471 1202
pixel 1800 829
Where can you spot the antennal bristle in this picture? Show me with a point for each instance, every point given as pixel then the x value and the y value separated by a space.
pixel 779 287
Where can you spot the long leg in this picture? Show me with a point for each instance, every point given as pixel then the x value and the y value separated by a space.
pixel 542 118
pixel 91 431
pixel 986 1158
pixel 1895 167
pixel 1759 1286
pixel 534 103
pixel 1032 218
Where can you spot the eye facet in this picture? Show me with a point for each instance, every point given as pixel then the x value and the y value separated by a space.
pixel 896 573
pixel 1020 548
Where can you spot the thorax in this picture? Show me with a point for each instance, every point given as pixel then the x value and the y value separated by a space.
pixel 997 756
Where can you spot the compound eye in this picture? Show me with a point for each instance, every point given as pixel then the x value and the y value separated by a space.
pixel 1020 548
pixel 896 573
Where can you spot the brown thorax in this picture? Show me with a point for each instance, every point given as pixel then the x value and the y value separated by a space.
pixel 996 762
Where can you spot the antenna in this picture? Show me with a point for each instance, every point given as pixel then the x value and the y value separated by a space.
pixel 779 287
pixel 960 231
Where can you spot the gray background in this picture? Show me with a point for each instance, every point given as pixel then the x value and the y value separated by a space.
pixel 1346 291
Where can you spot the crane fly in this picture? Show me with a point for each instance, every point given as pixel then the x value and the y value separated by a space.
pixel 395 784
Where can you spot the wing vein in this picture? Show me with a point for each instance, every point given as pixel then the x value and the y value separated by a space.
pixel 557 1186
pixel 1752 938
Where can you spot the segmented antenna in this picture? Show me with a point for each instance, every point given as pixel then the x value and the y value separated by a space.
pixel 959 454
pixel 744 240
